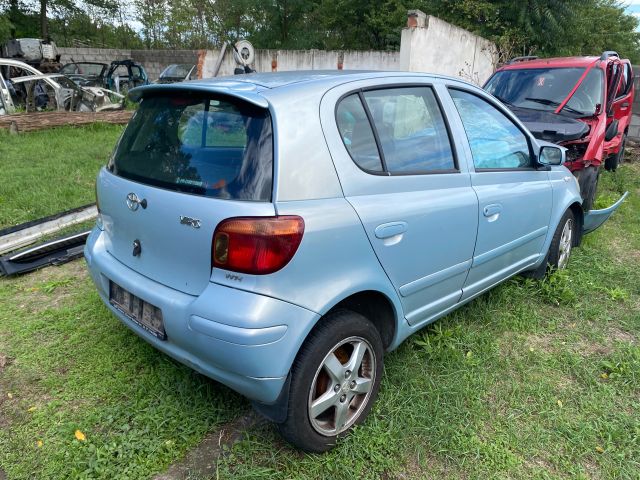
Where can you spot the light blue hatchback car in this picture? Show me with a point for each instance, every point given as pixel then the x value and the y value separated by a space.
pixel 280 232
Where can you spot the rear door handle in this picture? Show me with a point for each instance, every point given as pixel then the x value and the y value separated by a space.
pixel 391 229
pixel 492 210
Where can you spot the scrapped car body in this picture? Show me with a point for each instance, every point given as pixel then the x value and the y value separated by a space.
pixel 280 232
pixel 86 74
pixel 119 76
pixel 58 92
pixel 38 53
pixel 6 102
pixel 123 75
pixel 178 73
pixel 26 88
pixel 581 103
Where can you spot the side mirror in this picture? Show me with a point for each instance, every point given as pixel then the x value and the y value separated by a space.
pixel 550 155
pixel 612 131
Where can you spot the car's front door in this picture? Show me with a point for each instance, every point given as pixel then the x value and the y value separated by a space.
pixel 398 168
pixel 624 99
pixel 515 198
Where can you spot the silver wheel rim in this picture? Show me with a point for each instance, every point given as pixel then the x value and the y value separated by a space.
pixel 566 240
pixel 342 386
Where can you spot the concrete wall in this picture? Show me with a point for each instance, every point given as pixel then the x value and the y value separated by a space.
pixel 429 44
pixel 284 60
pixel 154 61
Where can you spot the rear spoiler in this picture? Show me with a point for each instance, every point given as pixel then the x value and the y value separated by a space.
pixel 243 90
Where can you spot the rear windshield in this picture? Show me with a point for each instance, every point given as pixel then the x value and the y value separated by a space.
pixel 215 147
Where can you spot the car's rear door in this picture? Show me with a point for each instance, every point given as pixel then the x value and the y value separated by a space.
pixel 515 198
pixel 396 159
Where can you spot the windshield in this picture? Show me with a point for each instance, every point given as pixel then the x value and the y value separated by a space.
pixel 206 146
pixel 176 71
pixel 546 88
pixel 89 69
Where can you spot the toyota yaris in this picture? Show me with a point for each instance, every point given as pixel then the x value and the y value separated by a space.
pixel 280 233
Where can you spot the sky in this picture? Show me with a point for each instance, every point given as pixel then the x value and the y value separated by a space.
pixel 633 7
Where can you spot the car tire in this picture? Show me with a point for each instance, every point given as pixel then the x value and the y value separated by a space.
pixel 588 180
pixel 334 381
pixel 563 241
pixel 612 162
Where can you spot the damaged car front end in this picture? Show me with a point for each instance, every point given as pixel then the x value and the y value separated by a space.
pixel 580 103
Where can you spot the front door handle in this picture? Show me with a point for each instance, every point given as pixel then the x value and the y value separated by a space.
pixel 492 211
pixel 391 229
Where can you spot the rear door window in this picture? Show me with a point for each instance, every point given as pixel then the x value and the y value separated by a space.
pixel 215 147
pixel 357 134
pixel 412 132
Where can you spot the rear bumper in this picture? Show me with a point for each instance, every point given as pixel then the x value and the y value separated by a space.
pixel 243 340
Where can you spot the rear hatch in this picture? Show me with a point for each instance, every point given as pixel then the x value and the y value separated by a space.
pixel 186 161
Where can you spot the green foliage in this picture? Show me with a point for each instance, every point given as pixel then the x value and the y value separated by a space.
pixel 51 170
pixel 5 28
pixel 541 27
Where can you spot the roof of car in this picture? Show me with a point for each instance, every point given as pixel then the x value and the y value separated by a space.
pixel 281 79
pixel 253 86
pixel 552 62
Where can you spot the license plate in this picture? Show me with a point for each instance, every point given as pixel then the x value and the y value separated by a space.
pixel 143 313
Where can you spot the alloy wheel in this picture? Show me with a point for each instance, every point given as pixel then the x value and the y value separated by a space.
pixel 566 242
pixel 342 386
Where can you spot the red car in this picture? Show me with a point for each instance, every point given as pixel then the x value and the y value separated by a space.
pixel 581 103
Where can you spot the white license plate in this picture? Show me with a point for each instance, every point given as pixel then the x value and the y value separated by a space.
pixel 143 313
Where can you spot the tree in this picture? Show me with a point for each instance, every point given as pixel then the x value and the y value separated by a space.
pixel 6 28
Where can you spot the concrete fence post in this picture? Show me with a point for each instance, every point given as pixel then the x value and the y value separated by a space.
pixel 431 45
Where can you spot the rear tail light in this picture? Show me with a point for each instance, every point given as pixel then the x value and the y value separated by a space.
pixel 256 245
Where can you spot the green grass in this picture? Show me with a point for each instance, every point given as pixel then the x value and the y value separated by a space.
pixel 49 171
pixel 536 379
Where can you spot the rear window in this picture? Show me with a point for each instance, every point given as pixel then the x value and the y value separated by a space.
pixel 215 147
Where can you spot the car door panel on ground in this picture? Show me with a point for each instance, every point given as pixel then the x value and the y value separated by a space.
pixel 423 225
pixel 515 199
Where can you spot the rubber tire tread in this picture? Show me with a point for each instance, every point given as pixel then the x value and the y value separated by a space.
pixel 588 180
pixel 335 327
pixel 554 248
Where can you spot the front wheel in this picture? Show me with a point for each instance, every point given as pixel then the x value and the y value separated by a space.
pixel 612 163
pixel 563 241
pixel 588 179
pixel 334 381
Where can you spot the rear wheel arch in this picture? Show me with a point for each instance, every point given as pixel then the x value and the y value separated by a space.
pixel 376 307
